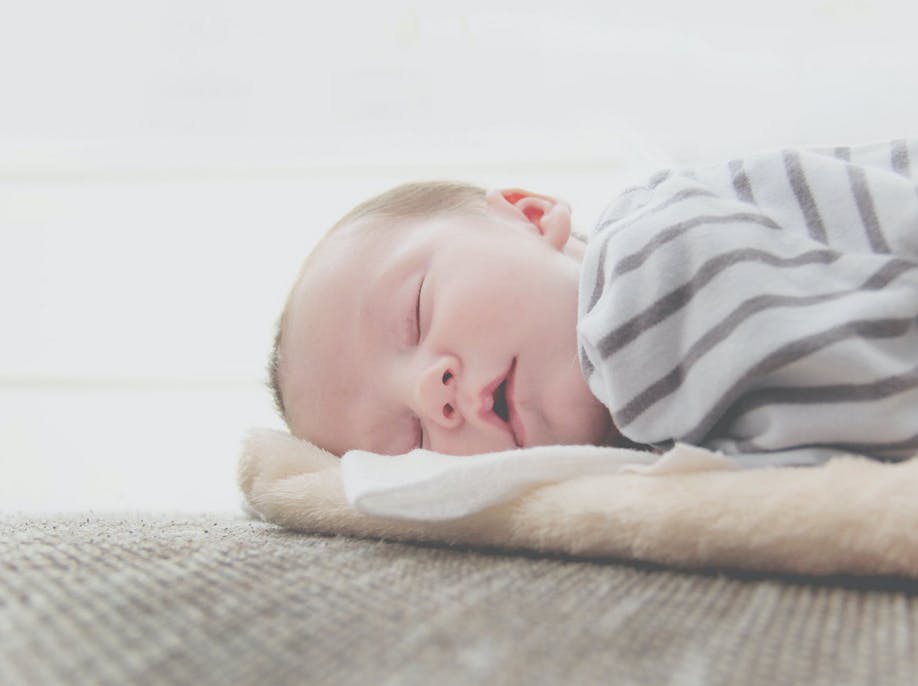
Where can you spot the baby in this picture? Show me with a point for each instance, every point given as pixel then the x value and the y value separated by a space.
pixel 766 308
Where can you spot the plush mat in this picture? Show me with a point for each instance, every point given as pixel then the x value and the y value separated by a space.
pixel 849 516
pixel 159 599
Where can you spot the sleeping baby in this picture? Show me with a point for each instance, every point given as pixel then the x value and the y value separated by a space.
pixel 766 308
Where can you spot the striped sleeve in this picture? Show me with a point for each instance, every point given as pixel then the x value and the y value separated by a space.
pixel 766 308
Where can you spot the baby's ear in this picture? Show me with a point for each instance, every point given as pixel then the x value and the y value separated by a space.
pixel 549 217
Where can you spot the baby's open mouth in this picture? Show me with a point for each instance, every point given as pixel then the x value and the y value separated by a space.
pixel 500 401
pixel 498 407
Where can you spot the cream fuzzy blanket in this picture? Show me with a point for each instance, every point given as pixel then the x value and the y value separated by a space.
pixel 851 516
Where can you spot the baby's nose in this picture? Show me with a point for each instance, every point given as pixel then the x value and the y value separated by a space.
pixel 437 392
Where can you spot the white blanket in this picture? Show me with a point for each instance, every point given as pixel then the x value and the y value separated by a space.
pixel 428 486
pixel 687 509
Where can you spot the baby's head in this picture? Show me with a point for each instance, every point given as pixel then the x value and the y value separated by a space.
pixel 442 316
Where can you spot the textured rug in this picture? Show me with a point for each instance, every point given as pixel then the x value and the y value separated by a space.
pixel 219 599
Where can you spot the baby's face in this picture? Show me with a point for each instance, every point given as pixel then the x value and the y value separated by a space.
pixel 452 333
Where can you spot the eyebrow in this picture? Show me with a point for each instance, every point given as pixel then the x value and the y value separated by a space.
pixel 372 330
pixel 382 313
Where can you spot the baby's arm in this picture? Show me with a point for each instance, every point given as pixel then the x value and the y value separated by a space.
pixel 731 323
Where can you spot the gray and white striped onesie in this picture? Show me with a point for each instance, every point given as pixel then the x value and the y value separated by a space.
pixel 766 308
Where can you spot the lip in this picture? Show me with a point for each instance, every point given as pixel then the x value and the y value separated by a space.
pixel 514 426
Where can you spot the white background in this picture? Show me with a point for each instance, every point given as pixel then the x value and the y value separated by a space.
pixel 165 165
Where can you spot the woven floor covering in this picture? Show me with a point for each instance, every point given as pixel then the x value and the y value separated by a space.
pixel 220 599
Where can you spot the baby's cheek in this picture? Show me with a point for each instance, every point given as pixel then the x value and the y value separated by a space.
pixel 480 308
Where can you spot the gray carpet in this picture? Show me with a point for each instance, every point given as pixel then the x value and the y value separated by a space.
pixel 219 599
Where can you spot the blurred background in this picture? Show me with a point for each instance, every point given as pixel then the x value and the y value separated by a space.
pixel 165 166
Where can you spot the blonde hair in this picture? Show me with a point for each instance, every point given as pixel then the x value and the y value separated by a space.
pixel 407 201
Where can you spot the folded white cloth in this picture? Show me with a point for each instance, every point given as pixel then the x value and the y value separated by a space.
pixel 428 486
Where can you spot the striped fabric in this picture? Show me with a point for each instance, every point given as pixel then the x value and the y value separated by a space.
pixel 767 307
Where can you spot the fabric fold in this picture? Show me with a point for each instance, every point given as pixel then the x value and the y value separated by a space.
pixel 426 486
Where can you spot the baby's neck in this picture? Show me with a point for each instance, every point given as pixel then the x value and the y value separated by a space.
pixel 574 248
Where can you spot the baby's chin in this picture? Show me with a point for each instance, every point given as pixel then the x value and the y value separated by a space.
pixel 579 418
pixel 598 432
pixel 591 426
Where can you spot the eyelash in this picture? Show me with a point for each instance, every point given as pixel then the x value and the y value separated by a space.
pixel 420 434
pixel 417 314
pixel 417 328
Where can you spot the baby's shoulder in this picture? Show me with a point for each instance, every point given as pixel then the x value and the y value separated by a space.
pixel 668 198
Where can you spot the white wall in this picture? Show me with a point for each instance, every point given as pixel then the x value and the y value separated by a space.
pixel 165 165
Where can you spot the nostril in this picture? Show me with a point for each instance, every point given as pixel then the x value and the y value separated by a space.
pixel 447 375
pixel 448 410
